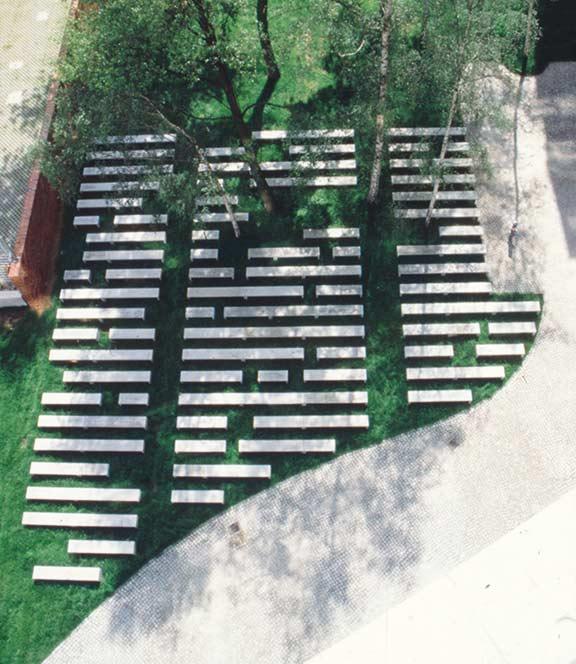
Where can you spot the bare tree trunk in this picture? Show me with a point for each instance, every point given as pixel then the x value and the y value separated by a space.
pixel 425 23
pixel 265 41
pixel 528 35
pixel 272 69
pixel 443 150
pixel 525 55
pixel 227 86
pixel 386 17
pixel 452 112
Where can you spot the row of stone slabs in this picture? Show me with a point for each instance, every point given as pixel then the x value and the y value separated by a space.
pixel 181 446
pixel 204 253
pixel 434 288
pixel 109 547
pixel 219 399
pixel 427 273
pixel 277 253
pixel 288 253
pixel 65 334
pixel 221 354
pixel 154 274
pixel 309 156
pixel 81 495
pixel 187 493
pixel 289 271
pixel 113 548
pixel 114 334
pixel 136 202
pixel 216 400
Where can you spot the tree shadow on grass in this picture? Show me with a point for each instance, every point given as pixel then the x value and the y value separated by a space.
pixel 19 347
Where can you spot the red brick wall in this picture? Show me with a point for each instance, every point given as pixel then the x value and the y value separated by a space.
pixel 38 241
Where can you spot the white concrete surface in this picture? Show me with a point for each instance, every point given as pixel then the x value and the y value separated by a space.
pixel 512 602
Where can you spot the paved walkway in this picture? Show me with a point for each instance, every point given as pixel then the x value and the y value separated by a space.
pixel 512 602
pixel 331 550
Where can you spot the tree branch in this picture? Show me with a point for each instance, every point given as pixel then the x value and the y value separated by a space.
pixel 226 82
pixel 451 112
pixel 386 17
pixel 270 103
pixel 265 41
pixel 351 54
pixel 198 152
pixel 273 72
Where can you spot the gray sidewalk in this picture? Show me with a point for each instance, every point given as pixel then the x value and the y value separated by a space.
pixel 515 601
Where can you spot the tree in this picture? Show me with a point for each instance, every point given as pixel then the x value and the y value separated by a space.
pixel 431 55
pixel 226 83
pixel 462 65
pixel 466 41
pixel 150 65
pixel 379 139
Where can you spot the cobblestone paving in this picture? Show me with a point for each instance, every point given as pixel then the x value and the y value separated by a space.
pixel 329 550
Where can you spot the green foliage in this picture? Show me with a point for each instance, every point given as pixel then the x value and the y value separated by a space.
pixel 433 45
pixel 142 65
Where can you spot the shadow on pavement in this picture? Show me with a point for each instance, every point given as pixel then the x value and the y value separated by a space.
pixel 556 88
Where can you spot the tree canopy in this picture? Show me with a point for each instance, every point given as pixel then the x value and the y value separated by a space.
pixel 216 69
